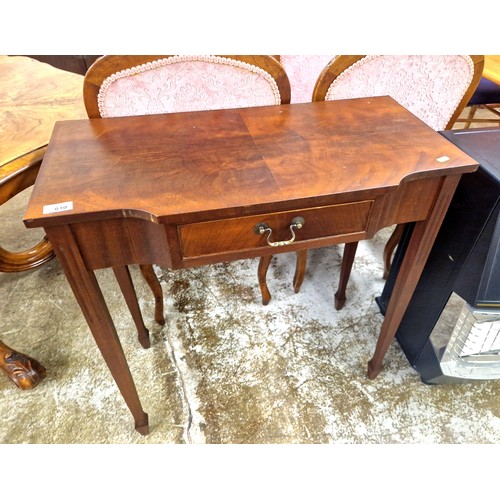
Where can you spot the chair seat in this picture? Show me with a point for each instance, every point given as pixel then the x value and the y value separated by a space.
pixel 487 92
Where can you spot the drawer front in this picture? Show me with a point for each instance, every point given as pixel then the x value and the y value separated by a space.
pixel 238 234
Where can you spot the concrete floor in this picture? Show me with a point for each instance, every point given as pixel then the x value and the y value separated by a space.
pixel 224 368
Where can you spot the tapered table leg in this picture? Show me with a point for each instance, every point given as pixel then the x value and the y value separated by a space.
pixel 416 255
pixel 89 296
pixel 345 272
pixel 122 274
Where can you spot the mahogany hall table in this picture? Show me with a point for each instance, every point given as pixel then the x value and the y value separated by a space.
pixel 191 189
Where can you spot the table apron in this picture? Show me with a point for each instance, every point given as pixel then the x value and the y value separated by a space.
pixel 123 241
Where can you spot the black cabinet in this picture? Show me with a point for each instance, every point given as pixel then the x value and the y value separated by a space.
pixel 450 332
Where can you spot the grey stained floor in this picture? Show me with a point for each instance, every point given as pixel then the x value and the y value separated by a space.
pixel 224 368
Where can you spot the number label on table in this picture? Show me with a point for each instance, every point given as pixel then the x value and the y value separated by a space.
pixel 58 207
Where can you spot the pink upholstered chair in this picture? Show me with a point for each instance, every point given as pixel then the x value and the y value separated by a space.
pixel 138 85
pixel 434 88
pixel 303 72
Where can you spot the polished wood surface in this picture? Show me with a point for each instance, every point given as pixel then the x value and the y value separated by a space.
pixel 339 66
pixel 107 66
pixel 492 68
pixel 200 166
pixel 33 96
pixel 152 189
pixel 15 177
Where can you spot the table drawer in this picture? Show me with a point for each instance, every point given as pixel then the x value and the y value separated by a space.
pixel 235 234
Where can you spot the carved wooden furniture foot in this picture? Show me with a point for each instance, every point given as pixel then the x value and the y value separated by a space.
pixel 24 371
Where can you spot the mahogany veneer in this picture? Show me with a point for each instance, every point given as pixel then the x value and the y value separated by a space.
pixel 189 189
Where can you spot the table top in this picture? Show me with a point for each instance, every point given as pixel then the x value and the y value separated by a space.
pixel 194 166
pixel 492 68
pixel 33 96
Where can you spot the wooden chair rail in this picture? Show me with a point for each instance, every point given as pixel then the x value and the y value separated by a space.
pixel 15 177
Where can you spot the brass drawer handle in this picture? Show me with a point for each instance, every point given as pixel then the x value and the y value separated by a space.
pixel 263 227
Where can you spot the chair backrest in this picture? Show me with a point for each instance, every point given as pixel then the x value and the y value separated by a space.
pixel 303 71
pixel 434 88
pixel 139 85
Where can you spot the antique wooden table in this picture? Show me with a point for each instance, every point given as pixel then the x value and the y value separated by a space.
pixel 191 189
pixel 33 96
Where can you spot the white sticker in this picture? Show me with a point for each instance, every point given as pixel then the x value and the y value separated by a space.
pixel 58 207
pixel 442 159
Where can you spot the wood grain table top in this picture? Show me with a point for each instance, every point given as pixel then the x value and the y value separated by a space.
pixel 230 162
pixel 33 96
